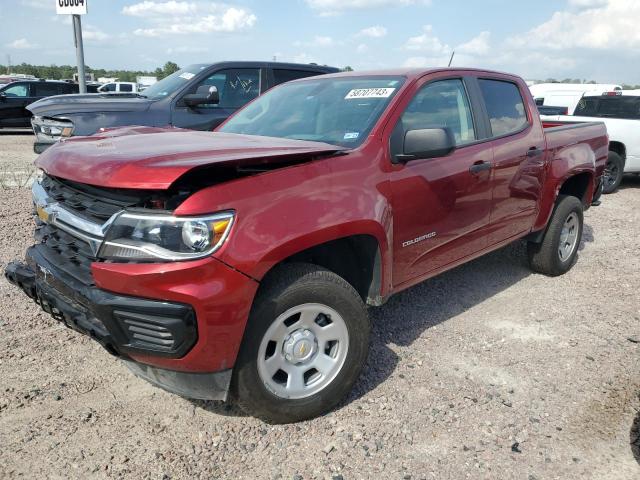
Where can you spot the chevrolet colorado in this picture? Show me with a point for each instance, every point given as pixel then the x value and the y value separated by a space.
pixel 240 261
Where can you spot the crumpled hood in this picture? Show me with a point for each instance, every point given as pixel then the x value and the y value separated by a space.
pixel 154 158
pixel 77 103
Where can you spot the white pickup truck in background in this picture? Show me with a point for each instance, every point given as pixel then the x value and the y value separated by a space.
pixel 621 115
pixel 567 95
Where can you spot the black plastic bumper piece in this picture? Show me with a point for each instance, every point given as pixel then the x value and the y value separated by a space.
pixel 123 325
pixel 201 386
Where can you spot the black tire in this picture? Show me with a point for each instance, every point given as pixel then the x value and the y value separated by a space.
pixel 290 286
pixel 544 257
pixel 613 173
pixel 598 192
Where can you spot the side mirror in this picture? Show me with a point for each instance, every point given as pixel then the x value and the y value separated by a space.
pixel 205 95
pixel 3 97
pixel 426 143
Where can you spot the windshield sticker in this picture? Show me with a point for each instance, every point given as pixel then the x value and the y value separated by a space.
pixel 187 75
pixel 351 135
pixel 370 93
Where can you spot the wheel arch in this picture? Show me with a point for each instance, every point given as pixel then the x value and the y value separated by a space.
pixel 619 148
pixel 361 258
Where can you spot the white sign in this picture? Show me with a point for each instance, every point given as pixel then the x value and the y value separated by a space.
pixel 71 7
pixel 369 93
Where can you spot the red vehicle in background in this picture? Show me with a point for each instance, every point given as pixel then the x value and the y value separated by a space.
pixel 242 261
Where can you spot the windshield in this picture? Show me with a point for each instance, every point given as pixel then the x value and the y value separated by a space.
pixel 173 82
pixel 341 111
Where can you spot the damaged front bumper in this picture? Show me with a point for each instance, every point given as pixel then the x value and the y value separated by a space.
pixel 125 326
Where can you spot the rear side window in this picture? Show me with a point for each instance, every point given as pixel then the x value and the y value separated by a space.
pixel 125 87
pixel 609 107
pixel 504 106
pixel 282 76
pixel 44 89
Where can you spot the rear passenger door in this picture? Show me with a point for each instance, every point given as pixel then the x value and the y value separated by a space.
pixel 518 158
pixel 236 87
pixel 441 205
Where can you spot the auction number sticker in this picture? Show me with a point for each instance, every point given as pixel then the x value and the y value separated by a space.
pixel 187 75
pixel 369 93
pixel 71 7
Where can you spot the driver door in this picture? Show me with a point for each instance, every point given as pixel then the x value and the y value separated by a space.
pixel 441 205
pixel 236 87
pixel 15 97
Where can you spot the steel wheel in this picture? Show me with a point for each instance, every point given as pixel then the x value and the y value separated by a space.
pixel 303 351
pixel 569 237
pixel 611 174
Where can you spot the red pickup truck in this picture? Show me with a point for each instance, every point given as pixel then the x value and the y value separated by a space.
pixel 239 263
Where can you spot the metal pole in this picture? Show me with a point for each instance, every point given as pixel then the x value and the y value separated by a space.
pixel 77 33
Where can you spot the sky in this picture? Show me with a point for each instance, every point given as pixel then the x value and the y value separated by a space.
pixel 588 39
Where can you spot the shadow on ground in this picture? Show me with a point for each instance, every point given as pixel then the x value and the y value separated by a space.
pixel 634 437
pixel 15 131
pixel 408 314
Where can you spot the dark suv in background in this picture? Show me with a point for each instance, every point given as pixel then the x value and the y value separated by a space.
pixel 198 97
pixel 15 96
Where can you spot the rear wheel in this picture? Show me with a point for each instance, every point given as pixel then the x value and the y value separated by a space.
pixel 556 253
pixel 613 172
pixel 306 341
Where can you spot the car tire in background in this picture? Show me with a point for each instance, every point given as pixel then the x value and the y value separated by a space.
pixel 557 251
pixel 305 343
pixel 613 173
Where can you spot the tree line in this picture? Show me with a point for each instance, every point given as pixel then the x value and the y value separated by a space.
pixel 64 72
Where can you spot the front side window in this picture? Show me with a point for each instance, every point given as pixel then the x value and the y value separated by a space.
pixel 441 104
pixel 504 106
pixel 20 90
pixel 109 87
pixel 340 111
pixel 236 87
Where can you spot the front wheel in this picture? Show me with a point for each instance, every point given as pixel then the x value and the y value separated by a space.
pixel 613 172
pixel 556 253
pixel 305 343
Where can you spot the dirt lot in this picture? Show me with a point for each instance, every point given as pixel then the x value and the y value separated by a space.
pixel 487 371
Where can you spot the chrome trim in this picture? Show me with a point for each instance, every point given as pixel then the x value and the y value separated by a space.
pixel 86 230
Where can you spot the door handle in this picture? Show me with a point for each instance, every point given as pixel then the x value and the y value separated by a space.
pixel 534 152
pixel 480 166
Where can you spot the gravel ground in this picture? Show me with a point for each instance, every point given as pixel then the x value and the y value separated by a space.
pixel 487 371
pixel 16 157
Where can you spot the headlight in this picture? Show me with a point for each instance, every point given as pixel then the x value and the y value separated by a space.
pixel 54 128
pixel 135 236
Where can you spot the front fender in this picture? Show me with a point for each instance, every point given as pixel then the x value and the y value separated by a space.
pixel 286 211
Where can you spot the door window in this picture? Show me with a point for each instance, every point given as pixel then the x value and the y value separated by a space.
pixel 109 87
pixel 441 104
pixel 504 106
pixel 20 90
pixel 283 76
pixel 236 86
pixel 125 87
pixel 45 89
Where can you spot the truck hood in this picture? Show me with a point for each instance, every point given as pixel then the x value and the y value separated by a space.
pixel 94 102
pixel 154 158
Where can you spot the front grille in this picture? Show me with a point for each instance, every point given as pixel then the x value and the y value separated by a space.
pixel 68 253
pixel 92 203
